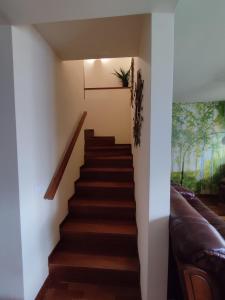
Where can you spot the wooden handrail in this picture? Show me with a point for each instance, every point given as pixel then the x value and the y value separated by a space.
pixel 56 179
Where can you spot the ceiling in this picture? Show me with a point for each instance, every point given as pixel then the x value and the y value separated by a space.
pixel 42 11
pixel 199 35
pixel 2 19
pixel 199 50
pixel 95 38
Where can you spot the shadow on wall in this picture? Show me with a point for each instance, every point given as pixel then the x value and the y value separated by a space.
pixel 69 107
pixel 159 233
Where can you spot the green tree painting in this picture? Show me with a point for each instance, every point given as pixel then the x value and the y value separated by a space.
pixel 198 145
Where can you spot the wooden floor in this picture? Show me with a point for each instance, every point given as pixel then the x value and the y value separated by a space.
pixel 214 204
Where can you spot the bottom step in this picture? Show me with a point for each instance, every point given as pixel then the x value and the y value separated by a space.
pixel 76 267
pixel 87 291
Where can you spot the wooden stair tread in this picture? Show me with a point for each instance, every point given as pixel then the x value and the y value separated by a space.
pixel 79 260
pixel 102 203
pixel 81 291
pixel 87 291
pixel 104 184
pixel 99 227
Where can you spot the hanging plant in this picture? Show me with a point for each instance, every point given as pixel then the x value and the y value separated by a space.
pixel 124 76
pixel 138 118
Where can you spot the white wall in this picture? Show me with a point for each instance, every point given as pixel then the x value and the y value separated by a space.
pixel 160 152
pixel 46 114
pixel 11 272
pixel 108 110
pixel 199 73
pixel 99 72
pixel 141 157
pixel 152 158
pixel 109 113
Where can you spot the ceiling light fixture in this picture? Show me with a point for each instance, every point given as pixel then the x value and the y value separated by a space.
pixel 90 61
pixel 104 60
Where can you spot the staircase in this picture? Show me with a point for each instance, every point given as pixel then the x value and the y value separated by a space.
pixel 97 257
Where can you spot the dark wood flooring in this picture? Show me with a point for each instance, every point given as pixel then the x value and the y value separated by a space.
pixel 213 202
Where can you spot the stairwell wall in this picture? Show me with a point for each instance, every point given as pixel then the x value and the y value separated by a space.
pixel 162 63
pixel 108 110
pixel 11 271
pixel 48 104
pixel 109 113
pixel 152 159
pixel 141 156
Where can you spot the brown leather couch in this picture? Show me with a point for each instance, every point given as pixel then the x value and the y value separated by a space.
pixel 197 238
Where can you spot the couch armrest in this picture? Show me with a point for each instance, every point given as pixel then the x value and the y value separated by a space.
pixel 197 284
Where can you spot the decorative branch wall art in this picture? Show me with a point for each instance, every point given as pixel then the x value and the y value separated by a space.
pixel 138 118
pixel 132 82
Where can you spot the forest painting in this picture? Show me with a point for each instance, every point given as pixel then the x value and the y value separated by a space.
pixel 198 145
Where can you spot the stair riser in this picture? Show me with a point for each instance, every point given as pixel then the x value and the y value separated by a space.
pixel 102 213
pixel 89 133
pixel 100 244
pixel 104 141
pixel 107 176
pixel 114 147
pixel 98 143
pixel 108 163
pixel 108 148
pixel 105 192
pixel 101 276
pixel 107 153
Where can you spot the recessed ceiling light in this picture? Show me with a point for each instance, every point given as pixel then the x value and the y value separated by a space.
pixel 90 61
pixel 105 60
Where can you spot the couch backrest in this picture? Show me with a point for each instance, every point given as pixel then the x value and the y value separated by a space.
pixel 194 240
pixel 208 214
pixel 198 205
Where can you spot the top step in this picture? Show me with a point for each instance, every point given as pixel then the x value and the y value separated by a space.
pixel 100 141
